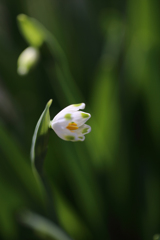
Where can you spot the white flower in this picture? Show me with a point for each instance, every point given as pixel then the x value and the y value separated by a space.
pixel 69 124
pixel 27 59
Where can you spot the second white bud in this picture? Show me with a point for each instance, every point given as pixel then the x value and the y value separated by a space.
pixel 27 59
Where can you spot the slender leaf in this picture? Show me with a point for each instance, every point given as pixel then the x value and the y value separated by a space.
pixel 40 139
pixel 44 226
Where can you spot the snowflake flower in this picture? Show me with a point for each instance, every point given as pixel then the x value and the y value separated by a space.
pixel 69 124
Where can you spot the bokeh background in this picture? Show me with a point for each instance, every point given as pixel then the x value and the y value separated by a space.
pixel 107 187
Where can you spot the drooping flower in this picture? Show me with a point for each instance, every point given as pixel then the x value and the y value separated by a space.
pixel 69 124
pixel 27 59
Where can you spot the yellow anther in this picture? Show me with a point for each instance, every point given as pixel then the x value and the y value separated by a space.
pixel 72 126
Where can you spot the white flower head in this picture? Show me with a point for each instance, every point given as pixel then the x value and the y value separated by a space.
pixel 69 124
pixel 27 59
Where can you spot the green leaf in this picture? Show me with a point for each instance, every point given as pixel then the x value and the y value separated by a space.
pixel 40 139
pixel 31 30
pixel 17 165
pixel 43 226
pixel 17 184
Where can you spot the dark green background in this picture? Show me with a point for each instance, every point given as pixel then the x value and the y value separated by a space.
pixel 107 187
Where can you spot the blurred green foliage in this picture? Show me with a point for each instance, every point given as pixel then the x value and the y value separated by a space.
pixel 103 53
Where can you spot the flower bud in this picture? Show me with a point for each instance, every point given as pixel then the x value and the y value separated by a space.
pixel 27 59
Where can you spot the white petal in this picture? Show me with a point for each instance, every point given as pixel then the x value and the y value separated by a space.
pixel 70 109
pixel 63 119
pixel 84 129
pixel 62 122
pixel 80 117
pixel 81 138
pixel 64 133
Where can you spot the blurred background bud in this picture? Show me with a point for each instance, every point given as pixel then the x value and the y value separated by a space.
pixel 27 59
